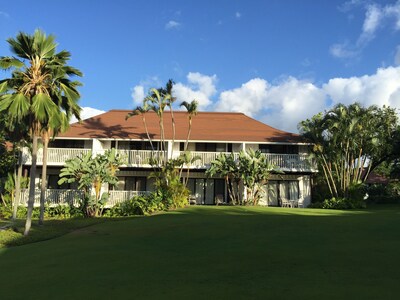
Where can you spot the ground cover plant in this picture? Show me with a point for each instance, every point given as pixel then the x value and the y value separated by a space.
pixel 216 252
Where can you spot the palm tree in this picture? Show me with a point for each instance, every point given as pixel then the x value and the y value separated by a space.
pixel 141 111
pixel 192 111
pixel 226 167
pixel 67 102
pixel 38 89
pixel 170 101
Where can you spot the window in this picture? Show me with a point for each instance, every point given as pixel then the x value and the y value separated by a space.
pixel 52 183
pixel 206 147
pixel 80 144
pixel 130 183
pixel 279 149
pixel 289 189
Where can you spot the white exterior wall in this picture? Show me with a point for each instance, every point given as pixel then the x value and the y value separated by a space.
pixel 175 150
pixel 97 146
pixel 305 190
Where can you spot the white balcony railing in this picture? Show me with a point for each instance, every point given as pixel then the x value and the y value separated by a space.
pixel 292 162
pixel 121 196
pixel 140 157
pixel 286 162
pixel 55 156
pixel 205 158
pixel 53 197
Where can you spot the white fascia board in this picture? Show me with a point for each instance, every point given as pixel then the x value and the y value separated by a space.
pixel 182 141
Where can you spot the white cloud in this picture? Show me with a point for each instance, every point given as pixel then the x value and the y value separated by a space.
pixel 376 17
pixel 172 25
pixel 238 15
pixel 138 94
pixel 4 14
pixel 88 112
pixel 284 104
pixel 373 17
pixel 348 5
pixel 381 88
pixel 248 98
pixel 200 87
pixel 342 51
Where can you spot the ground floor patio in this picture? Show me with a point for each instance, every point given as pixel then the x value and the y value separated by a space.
pixel 281 189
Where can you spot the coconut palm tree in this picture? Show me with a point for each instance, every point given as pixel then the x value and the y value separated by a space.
pixel 37 90
pixel 191 108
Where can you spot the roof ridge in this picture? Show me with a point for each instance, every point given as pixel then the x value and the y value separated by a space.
pixel 183 111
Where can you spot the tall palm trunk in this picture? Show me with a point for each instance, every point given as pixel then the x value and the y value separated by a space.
pixel 32 176
pixel 17 186
pixel 188 135
pixel 45 140
pixel 173 129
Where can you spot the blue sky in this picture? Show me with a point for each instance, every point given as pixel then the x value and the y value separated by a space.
pixel 277 61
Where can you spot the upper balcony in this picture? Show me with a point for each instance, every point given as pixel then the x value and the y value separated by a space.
pixel 55 156
pixel 286 162
pixel 142 158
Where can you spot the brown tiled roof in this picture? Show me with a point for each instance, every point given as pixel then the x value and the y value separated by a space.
pixel 206 126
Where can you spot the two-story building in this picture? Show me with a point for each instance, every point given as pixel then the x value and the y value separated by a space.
pixel 212 133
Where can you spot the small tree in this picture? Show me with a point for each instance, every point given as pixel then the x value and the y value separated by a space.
pixel 255 170
pixel 91 173
pixel 252 168
pixel 227 167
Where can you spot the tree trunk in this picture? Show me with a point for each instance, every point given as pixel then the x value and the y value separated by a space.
pixel 45 140
pixel 173 128
pixel 32 176
pixel 17 186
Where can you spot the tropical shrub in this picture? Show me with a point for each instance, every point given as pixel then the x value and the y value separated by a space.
pixel 91 173
pixel 339 203
pixel 138 205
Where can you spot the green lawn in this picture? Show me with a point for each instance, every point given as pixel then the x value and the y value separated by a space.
pixel 215 253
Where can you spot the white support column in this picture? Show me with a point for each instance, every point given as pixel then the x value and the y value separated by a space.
pixel 97 147
pixel 169 149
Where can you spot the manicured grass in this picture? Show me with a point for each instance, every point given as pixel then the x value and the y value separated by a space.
pixel 215 253
pixel 13 234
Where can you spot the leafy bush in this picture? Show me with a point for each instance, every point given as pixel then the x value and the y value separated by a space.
pixel 54 212
pixel 339 203
pixel 138 205
pixel 63 212
pixel 383 199
pixel 393 189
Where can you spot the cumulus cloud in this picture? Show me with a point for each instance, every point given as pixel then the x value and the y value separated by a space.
pixel 172 25
pixel 88 112
pixel 282 105
pixel 375 17
pixel 140 91
pixel 199 87
pixel 138 94
pixel 381 88
pixel 248 98
pixel 285 103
